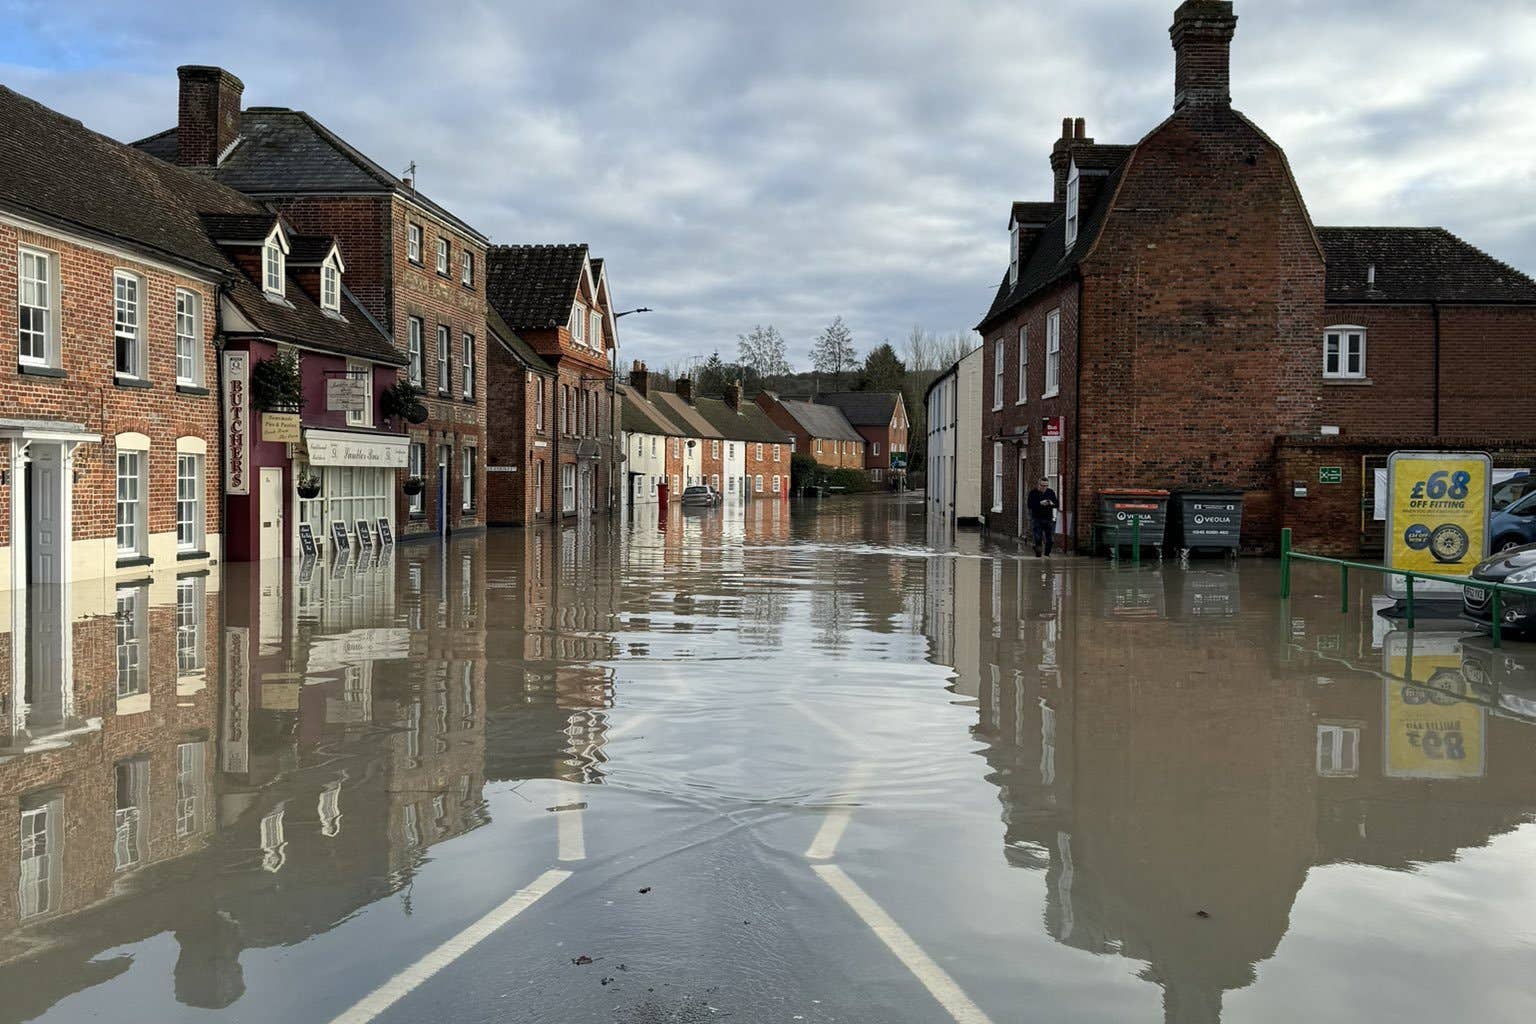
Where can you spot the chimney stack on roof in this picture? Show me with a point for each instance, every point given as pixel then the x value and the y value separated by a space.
pixel 1202 43
pixel 207 114
pixel 733 395
pixel 640 379
pixel 685 389
pixel 1074 133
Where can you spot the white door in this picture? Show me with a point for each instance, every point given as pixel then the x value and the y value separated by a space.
pixel 45 510
pixel 1023 494
pixel 270 541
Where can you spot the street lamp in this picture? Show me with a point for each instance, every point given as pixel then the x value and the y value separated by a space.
pixel 641 309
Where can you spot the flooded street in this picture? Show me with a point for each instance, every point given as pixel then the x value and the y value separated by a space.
pixel 779 765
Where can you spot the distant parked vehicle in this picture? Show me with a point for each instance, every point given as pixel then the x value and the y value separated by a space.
pixel 1512 490
pixel 1515 566
pixel 1515 525
pixel 698 496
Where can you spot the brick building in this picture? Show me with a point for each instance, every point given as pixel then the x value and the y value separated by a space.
pixel 520 429
pixel 413 267
pixel 706 454
pixel 555 297
pixel 651 459
pixel 1172 311
pixel 757 450
pixel 820 431
pixel 881 420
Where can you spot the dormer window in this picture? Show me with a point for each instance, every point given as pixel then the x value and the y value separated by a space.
pixel 272 267
pixel 1072 197
pixel 1013 254
pixel 330 287
pixel 578 324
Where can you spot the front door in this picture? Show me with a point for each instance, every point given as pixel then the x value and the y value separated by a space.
pixel 45 513
pixel 444 460
pixel 269 541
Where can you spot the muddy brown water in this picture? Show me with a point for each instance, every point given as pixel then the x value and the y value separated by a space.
pixel 817 763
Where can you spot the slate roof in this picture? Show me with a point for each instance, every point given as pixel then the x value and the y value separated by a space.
pixel 300 320
pixel 684 415
pixel 638 415
pixel 309 250
pixel 1034 213
pixel 1416 265
pixel 1100 158
pixel 59 172
pixel 252 227
pixel 863 408
pixel 824 421
pixel 520 348
pixel 282 152
pixel 534 286
pixel 1050 259
pixel 750 424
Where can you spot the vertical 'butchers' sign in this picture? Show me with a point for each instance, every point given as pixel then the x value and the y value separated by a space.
pixel 237 422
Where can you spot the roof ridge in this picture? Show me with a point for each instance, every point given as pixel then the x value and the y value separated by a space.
pixel 363 161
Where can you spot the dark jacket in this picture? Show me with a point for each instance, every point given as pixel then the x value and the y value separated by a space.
pixel 1042 504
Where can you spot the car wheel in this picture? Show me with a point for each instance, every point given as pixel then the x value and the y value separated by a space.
pixel 1507 543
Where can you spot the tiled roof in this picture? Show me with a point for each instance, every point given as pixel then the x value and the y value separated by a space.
pixel 282 152
pixel 534 286
pixel 309 250
pixel 683 414
pixel 250 227
pixel 520 348
pixel 749 424
pixel 638 415
pixel 822 421
pixel 1416 265
pixel 1100 158
pixel 301 321
pixel 1050 258
pixel 60 172
pixel 1034 213
pixel 863 408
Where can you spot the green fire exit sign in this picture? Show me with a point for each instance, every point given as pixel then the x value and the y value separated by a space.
pixel 1330 474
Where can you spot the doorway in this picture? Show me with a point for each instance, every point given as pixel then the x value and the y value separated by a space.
pixel 269 540
pixel 1023 489
pixel 444 460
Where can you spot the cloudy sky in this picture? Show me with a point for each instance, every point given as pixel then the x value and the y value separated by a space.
pixel 791 161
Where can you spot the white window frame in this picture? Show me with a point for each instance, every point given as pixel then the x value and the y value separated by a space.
pixel 538 404
pixel 191 622
pixel 875 452
pixel 1050 463
pixel 330 286
pixel 467 268
pixel 418 468
pixel 1023 365
pixel 1052 354
pixel 189 337
pixel 124 328
pixel 190 514
pixel 359 370
pixel 1343 760
pixel 567 487
pixel 443 256
pixel 758 482
pixel 776 480
pixel 997 373
pixel 467 474
pixel 413 243
pixel 414 371
pixel 1074 193
pixel 759 451
pixel 444 359
pixel 1342 339
pixel 776 450
pixel 997 476
pixel 1013 254
pixel 467 372
pixel 132 519
pixel 579 324
pixel 48 284
pixel 714 449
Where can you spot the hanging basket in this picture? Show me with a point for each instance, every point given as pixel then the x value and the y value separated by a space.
pixel 308 487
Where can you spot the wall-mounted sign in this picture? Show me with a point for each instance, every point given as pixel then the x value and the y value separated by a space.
pixel 345 448
pixel 346 394
pixel 237 423
pixel 280 426
pixel 339 536
pixel 1050 426
pixel 501 469
pixel 386 535
pixel 1330 474
pixel 307 543
pixel 1437 518
pixel 237 687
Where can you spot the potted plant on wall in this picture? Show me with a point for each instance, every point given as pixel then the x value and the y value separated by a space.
pixel 308 486
pixel 413 486
pixel 276 385
pixel 403 399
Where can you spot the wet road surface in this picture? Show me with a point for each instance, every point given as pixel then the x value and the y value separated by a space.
pixel 762 766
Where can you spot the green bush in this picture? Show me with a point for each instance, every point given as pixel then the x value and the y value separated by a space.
pixel 849 480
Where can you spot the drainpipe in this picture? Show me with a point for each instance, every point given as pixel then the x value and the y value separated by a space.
pixel 1077 420
pixel 1434 308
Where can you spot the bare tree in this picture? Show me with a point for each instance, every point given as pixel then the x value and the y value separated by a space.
pixel 919 349
pixel 761 350
pixel 832 352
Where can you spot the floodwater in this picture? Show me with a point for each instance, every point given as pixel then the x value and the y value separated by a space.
pixel 780 765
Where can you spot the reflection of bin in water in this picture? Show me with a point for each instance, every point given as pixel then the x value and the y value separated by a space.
pixel 1207 519
pixel 1210 592
pixel 1134 594
pixel 1119 510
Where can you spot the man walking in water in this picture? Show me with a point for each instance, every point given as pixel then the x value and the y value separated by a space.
pixel 1042 515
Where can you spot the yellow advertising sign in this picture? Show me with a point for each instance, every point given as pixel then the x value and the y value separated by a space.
pixel 1431 732
pixel 1437 515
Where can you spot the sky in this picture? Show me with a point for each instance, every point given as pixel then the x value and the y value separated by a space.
pixel 788 162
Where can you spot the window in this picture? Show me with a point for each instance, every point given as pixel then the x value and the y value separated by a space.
pixel 757 483
pixel 1023 365
pixel 189 502
pixel 1072 198
pixel 1052 354
pixel 128 323
pixel 538 487
pixel 997 374
pixel 1013 255
pixel 418 468
pixel 581 414
pixel 130 503
pixel 444 360
pixel 714 449
pixel 442 256
pixel 468 455
pixel 714 480
pixel 997 476
pixel 1051 466
pixel 759 452
pixel 538 404
pixel 131 812
pixel 330 287
pixel 272 270
pixel 42 852
pixel 130 634
pixel 361 372
pixel 190 761
pixel 467 372
pixel 413 350
pixel 775 483
pixel 413 243
pixel 776 449
pixel 189 338
pixel 36 300
pixel 567 487
pixel 677 448
pixel 190 608
pixel 578 324
pixel 875 451
pixel 1338 751
pixel 818 448
pixel 595 329
pixel 1344 353
pixel 467 268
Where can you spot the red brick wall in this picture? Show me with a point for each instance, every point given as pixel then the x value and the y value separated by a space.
pixel 767 467
pixel 512 434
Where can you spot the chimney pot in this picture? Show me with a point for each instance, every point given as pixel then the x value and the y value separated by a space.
pixel 1202 44
pixel 1079 129
pixel 207 114
pixel 640 380
pixel 1066 127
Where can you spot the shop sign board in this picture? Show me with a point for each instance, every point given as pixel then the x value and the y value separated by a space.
pixel 346 394
pixel 236 743
pixel 237 423
pixel 280 426
pixel 340 448
pixel 1432 731
pixel 1437 516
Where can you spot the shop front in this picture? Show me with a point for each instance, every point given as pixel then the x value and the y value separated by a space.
pixel 358 475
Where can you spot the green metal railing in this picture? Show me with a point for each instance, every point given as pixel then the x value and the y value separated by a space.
pixel 1287 556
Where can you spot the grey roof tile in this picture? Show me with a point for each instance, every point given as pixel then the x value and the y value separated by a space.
pixel 534 286
pixel 1416 265
pixel 863 408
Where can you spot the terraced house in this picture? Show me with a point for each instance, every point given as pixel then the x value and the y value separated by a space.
pixel 820 431
pixel 412 267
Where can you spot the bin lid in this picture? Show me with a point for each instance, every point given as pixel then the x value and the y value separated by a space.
pixel 1132 492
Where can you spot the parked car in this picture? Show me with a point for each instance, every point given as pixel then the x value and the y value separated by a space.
pixel 1516 566
pixel 1512 490
pixel 698 496
pixel 1514 525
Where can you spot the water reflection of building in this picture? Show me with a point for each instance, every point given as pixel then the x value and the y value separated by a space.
pixel 1165 744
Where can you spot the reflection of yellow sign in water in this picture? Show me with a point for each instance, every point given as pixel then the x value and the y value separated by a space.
pixel 1437 515
pixel 1431 733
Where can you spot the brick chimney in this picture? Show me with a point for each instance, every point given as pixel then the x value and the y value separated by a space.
pixel 640 379
pixel 1202 43
pixel 685 389
pixel 1074 133
pixel 207 114
pixel 733 396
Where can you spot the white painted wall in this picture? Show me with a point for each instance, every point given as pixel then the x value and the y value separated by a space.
pixel 638 459
pixel 954 441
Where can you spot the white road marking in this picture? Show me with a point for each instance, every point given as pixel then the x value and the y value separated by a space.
pixel 832 826
pixel 402 984
pixel 569 825
pixel 934 978
pixel 826 723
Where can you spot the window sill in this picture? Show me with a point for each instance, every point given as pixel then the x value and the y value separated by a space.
pixel 191 389
pixel 415 262
pixel 445 275
pixel 1051 394
pixel 132 382
pixel 468 399
pixel 1348 382
pixel 132 561
pixel 190 556
pixel 33 370
pixel 1020 401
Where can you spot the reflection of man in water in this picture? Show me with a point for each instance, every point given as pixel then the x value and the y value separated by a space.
pixel 208 973
pixel 1042 515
